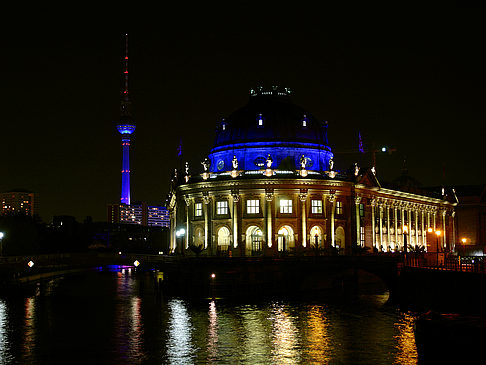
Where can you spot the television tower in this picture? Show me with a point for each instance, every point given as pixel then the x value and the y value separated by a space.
pixel 125 127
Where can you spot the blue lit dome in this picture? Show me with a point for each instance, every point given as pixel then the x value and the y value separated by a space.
pixel 270 124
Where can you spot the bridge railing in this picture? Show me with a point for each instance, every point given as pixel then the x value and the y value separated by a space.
pixel 444 261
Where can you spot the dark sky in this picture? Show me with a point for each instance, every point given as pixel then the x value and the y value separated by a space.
pixel 413 82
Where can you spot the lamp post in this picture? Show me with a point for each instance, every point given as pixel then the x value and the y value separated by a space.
pixel 1 243
pixel 438 233
pixel 180 233
pixel 405 232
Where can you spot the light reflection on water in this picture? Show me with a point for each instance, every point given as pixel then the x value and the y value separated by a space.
pixel 117 317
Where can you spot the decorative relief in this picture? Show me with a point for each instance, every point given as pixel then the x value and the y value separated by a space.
pixel 206 198
pixel 357 199
pixel 303 195
pixel 187 200
pixel 269 195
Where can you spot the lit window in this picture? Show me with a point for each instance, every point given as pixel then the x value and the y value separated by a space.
pixel 362 235
pixel 253 206
pixel 339 207
pixel 361 210
pixel 222 207
pixel 304 123
pixel 285 206
pixel 316 206
pixel 260 120
pixel 198 209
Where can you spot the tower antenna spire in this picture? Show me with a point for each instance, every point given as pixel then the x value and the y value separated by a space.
pixel 125 127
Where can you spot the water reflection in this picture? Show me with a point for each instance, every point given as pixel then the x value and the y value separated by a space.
pixel 114 317
pixel 318 347
pixel 405 340
pixel 285 340
pixel 129 321
pixel 4 345
pixel 29 329
pixel 212 331
pixel 179 344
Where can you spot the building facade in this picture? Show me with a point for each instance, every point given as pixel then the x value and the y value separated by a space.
pixel 139 213
pixel 23 202
pixel 269 187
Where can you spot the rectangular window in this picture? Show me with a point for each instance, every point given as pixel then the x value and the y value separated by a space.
pixel 253 206
pixel 339 207
pixel 316 206
pixel 362 235
pixel 285 206
pixel 361 210
pixel 198 211
pixel 222 207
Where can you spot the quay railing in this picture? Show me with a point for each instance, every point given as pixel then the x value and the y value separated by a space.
pixel 446 261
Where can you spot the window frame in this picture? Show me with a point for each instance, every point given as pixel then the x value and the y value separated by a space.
pixel 222 207
pixel 196 209
pixel 285 209
pixel 317 206
pixel 339 207
pixel 255 208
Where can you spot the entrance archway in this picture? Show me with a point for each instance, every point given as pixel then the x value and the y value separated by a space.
pixel 316 238
pixel 339 241
pixel 223 240
pixel 285 240
pixel 254 241
pixel 198 238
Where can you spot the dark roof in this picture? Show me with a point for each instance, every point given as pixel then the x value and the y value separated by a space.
pixel 282 121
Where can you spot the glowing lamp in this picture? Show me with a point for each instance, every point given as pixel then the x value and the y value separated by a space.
pixel 464 240
pixel 136 263
pixel 430 230
pixel 213 275
pixel 438 233
pixel 1 235
pixel 405 229
pixel 383 149
pixel 30 263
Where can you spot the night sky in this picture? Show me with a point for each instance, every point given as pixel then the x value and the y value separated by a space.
pixel 414 83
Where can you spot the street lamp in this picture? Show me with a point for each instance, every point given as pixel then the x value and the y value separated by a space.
pixel 405 232
pixel 438 233
pixel 1 243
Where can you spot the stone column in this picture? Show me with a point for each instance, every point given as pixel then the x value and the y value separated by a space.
pixel 388 225
pixel 303 198
pixel 206 200
pixel 236 199
pixel 395 221
pixel 268 208
pixel 373 205
pixel 416 227
pixel 444 243
pixel 188 204
pixel 381 227
pixel 332 200
pixel 357 201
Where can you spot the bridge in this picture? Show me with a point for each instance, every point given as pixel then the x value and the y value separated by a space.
pixel 454 285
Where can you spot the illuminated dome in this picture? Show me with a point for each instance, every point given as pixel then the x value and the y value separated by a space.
pixel 270 124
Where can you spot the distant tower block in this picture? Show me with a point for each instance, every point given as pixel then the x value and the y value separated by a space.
pixel 125 127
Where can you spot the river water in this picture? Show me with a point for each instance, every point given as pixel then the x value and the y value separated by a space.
pixel 114 317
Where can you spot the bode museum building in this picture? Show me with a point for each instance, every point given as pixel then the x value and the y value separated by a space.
pixel 269 187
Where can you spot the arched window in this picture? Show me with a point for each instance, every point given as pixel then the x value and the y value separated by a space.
pixel 254 241
pixel 198 238
pixel 316 238
pixel 339 238
pixel 223 239
pixel 285 239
